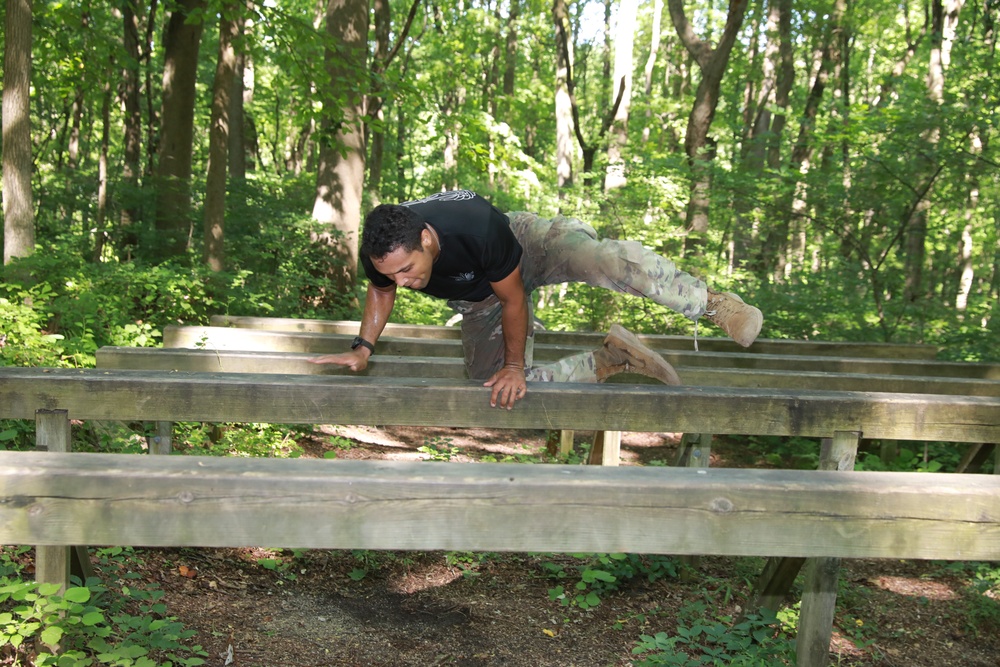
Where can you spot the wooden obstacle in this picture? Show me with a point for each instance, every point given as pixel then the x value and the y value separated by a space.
pixel 593 339
pixel 120 499
pixel 61 499
pixel 276 345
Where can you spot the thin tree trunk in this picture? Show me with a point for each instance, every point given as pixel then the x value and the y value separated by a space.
pixel 510 59
pixel 624 44
pixel 213 253
pixel 18 213
pixel 102 171
pixel 564 104
pixel 237 109
pixel 944 21
pixel 654 48
pixel 152 112
pixel 131 165
pixel 772 256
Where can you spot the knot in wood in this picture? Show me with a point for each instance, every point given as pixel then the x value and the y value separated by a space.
pixel 185 496
pixel 721 505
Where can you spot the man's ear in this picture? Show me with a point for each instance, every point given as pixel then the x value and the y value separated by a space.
pixel 426 238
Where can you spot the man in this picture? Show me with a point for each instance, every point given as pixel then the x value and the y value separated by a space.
pixel 457 246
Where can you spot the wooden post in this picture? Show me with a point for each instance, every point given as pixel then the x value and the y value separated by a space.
pixel 565 442
pixel 162 442
pixel 696 451
pixel 819 596
pixel 52 434
pixel 607 448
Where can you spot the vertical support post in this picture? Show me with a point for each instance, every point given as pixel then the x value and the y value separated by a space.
pixel 52 434
pixel 607 448
pixel 819 596
pixel 162 442
pixel 565 442
pixel 696 452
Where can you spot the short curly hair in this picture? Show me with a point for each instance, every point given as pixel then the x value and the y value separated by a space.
pixel 389 227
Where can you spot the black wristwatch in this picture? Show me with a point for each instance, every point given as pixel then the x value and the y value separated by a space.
pixel 361 342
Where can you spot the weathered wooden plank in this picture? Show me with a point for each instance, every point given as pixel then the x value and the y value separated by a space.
pixel 304 399
pixel 223 338
pixel 219 501
pixel 295 363
pixel 592 339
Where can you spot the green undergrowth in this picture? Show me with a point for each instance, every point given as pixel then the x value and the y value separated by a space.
pixel 120 624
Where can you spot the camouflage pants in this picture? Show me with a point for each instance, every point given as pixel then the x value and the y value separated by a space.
pixel 560 250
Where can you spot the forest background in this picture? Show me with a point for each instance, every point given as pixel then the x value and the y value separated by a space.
pixel 834 163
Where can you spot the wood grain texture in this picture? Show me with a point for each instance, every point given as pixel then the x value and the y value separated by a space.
pixel 209 501
pixel 655 341
pixel 238 361
pixel 222 338
pixel 304 399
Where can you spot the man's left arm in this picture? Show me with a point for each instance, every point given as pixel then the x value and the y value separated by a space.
pixel 508 383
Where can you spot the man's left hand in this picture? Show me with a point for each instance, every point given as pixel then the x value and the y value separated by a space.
pixel 509 386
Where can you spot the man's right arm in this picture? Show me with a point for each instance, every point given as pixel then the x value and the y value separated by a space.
pixel 379 302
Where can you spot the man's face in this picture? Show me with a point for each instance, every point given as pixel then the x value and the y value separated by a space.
pixel 408 269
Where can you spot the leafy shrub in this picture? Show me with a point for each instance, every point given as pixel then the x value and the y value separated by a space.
pixel 600 574
pixel 129 628
pixel 700 639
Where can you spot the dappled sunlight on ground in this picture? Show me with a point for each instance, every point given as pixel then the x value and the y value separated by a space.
pixel 915 587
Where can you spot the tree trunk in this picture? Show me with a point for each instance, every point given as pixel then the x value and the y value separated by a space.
pixel 237 108
pixel 697 145
pixel 152 112
pixel 564 104
pixel 624 43
pixel 173 175
pixel 213 253
pixel 18 213
pixel 102 170
pixel 131 166
pixel 341 173
pixel 772 256
pixel 654 47
pixel 944 21
pixel 376 101
pixel 510 59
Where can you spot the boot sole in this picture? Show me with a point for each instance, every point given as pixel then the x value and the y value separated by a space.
pixel 627 341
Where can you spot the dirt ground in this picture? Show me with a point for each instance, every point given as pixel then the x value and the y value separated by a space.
pixel 275 608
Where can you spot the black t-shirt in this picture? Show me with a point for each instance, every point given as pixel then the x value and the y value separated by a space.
pixel 477 246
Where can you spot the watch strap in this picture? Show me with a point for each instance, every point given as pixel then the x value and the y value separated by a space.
pixel 361 342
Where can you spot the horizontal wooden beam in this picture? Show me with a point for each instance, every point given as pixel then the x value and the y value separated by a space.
pixel 308 399
pixel 223 338
pixel 63 499
pixel 238 361
pixel 586 338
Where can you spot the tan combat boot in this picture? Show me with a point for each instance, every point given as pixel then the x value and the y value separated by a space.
pixel 741 322
pixel 623 353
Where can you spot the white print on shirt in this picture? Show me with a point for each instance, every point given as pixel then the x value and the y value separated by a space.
pixel 454 195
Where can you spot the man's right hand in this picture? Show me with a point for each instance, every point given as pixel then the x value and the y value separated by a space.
pixel 355 360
